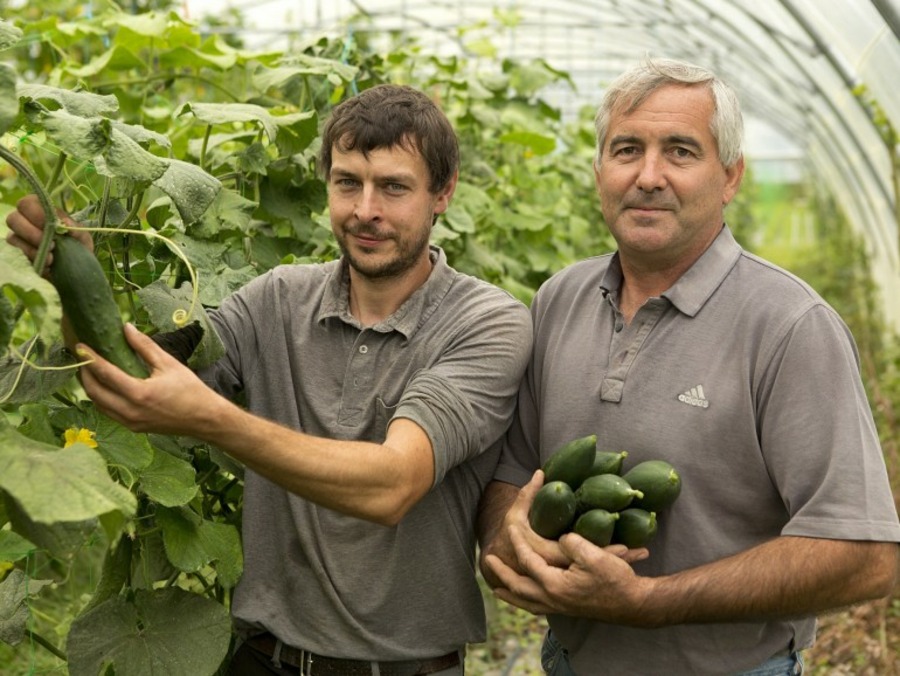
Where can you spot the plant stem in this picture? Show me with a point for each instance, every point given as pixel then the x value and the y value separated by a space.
pixel 205 146
pixel 57 170
pixel 132 212
pixel 51 221
pixel 44 643
pixel 104 204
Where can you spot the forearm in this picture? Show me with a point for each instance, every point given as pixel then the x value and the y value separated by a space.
pixel 498 497
pixel 377 482
pixel 786 577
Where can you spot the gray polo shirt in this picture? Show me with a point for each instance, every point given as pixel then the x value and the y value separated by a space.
pixel 450 358
pixel 744 379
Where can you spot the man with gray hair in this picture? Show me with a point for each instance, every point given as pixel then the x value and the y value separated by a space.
pixel 786 509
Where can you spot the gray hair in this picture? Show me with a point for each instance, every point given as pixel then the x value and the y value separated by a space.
pixel 632 88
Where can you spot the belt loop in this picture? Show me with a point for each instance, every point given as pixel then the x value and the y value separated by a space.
pixel 276 654
pixel 376 669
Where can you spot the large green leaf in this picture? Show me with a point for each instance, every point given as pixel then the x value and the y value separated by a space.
pixel 228 212
pixel 116 58
pixel 152 24
pixel 62 540
pixel 9 104
pixel 53 485
pixel 296 131
pixel 168 480
pixel 140 134
pixel 225 282
pixel 293 132
pixel 84 104
pixel 161 302
pixel 192 543
pixel 187 57
pixel 191 189
pixel 459 219
pixel 163 632
pixel 13 546
pixel 125 158
pixel 36 423
pixel 10 34
pixel 303 65
pixel 127 451
pixel 82 138
pixel 37 295
pixel 22 382
pixel 15 593
pixel 539 144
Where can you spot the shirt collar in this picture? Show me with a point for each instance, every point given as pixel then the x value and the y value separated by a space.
pixel 691 291
pixel 409 316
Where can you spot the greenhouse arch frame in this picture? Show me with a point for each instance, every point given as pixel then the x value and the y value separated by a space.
pixel 823 74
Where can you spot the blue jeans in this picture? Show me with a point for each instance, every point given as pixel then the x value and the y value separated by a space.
pixel 555 661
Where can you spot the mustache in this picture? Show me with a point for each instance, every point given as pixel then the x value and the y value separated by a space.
pixel 368 230
pixel 651 201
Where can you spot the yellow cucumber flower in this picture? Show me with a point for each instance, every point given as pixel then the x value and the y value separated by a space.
pixel 75 435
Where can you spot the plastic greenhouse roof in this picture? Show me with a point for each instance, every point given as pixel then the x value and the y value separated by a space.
pixel 799 66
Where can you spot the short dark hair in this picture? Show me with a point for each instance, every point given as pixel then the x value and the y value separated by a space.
pixel 389 115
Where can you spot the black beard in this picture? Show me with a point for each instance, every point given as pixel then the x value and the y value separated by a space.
pixel 408 254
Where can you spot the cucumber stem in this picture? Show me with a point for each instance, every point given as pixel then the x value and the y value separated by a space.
pixel 51 221
pixel 44 643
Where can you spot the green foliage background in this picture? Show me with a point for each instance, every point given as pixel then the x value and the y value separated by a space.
pixel 205 151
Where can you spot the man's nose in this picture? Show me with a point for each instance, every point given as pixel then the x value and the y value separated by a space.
pixel 652 172
pixel 368 205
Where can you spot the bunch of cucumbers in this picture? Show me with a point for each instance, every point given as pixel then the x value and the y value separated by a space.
pixel 585 491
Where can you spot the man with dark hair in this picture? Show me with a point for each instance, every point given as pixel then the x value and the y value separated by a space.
pixel 377 388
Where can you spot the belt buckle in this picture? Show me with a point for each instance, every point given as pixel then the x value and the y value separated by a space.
pixel 306 662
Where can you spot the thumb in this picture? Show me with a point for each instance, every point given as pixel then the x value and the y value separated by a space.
pixel 147 349
pixel 528 491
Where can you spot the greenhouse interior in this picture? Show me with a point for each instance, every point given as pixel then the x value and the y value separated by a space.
pixel 817 78
pixel 186 135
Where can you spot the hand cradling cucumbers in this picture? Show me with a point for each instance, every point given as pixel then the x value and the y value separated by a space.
pixel 589 492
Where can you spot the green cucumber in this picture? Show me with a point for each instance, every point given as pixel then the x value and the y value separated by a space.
pixel 605 491
pixel 635 527
pixel 596 526
pixel 88 303
pixel 608 462
pixel 658 481
pixel 571 462
pixel 553 510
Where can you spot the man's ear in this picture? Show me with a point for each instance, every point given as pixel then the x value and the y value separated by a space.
pixel 445 194
pixel 733 177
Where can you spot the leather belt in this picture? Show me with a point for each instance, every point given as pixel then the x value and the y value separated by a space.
pixel 312 664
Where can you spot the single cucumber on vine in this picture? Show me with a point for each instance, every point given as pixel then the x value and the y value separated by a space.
pixel 88 303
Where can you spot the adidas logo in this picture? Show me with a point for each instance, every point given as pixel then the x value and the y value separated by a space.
pixel 694 397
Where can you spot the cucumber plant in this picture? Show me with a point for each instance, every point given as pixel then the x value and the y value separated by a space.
pixel 185 155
